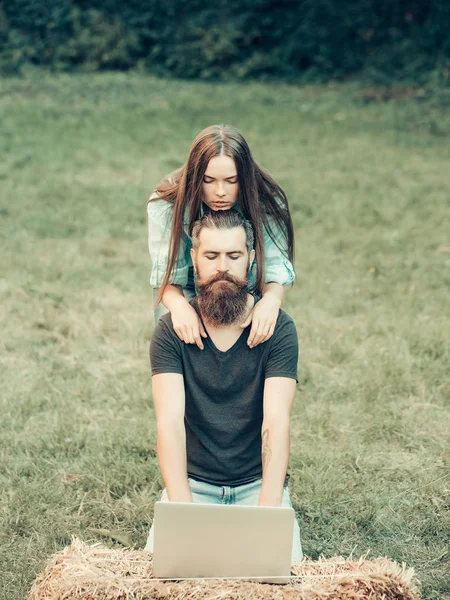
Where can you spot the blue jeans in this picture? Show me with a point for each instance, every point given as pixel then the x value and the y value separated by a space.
pixel 247 494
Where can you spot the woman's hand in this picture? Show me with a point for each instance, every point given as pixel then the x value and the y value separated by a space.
pixel 263 319
pixel 186 323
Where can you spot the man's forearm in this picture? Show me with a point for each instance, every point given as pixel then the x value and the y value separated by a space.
pixel 171 447
pixel 275 458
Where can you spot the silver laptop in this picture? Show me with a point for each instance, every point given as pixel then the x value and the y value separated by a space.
pixel 212 540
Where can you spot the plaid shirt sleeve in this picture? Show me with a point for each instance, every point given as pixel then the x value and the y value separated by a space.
pixel 279 268
pixel 159 219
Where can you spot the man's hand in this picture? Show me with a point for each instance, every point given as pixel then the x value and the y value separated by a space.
pixel 180 491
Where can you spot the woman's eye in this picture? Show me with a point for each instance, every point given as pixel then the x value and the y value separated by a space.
pixel 207 181
pixel 234 181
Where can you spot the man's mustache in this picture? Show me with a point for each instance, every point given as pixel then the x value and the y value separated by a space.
pixel 223 276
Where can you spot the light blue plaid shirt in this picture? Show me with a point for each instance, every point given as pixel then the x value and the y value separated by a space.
pixel 159 212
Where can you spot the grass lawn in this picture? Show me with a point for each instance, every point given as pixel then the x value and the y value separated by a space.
pixel 368 186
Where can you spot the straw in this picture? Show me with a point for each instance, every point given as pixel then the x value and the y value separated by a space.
pixel 94 572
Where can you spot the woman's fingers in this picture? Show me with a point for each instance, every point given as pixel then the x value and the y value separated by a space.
pixel 257 336
pixel 198 340
pixel 180 333
pixel 263 331
pixel 199 332
pixel 183 333
pixel 202 329
pixel 268 334
pixel 190 335
pixel 253 334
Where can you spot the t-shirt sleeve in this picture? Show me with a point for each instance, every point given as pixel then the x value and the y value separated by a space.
pixel 283 352
pixel 165 351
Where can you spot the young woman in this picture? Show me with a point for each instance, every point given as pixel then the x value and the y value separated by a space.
pixel 219 174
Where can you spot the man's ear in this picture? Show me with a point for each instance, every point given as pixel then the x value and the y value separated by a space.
pixel 251 259
pixel 193 258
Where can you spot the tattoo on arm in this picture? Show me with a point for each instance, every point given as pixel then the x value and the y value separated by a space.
pixel 266 451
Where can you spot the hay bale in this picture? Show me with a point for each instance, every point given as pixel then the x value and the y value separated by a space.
pixel 94 572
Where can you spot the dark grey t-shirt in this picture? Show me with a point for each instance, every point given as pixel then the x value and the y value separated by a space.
pixel 224 397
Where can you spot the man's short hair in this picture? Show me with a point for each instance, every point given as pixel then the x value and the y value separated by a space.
pixel 223 219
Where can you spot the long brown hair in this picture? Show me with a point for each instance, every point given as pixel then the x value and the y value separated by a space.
pixel 260 197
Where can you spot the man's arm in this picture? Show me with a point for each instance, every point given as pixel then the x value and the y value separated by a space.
pixel 169 400
pixel 279 393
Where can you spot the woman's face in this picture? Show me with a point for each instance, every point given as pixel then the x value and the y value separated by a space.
pixel 220 183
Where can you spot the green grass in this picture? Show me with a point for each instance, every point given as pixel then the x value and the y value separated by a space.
pixel 368 187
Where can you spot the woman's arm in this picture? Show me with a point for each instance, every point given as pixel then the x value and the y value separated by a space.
pixel 279 273
pixel 187 325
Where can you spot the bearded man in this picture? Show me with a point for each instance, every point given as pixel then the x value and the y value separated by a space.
pixel 223 413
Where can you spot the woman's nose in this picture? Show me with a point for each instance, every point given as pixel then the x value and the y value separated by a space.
pixel 220 190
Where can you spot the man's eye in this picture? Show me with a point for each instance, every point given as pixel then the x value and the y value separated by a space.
pixel 211 257
pixel 235 257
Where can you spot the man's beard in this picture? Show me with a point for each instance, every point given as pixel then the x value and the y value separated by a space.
pixel 222 299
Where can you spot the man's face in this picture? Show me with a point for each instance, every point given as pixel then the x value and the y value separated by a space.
pixel 222 263
pixel 221 251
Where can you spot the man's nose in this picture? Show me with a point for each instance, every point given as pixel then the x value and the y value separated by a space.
pixel 222 264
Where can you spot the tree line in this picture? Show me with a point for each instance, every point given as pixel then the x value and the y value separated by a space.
pixel 312 40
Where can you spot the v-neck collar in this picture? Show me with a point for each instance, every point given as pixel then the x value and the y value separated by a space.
pixel 209 340
pixel 237 343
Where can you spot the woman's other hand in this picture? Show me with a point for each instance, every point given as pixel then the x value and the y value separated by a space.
pixel 263 319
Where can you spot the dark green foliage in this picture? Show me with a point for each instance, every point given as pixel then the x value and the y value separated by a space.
pixel 322 39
